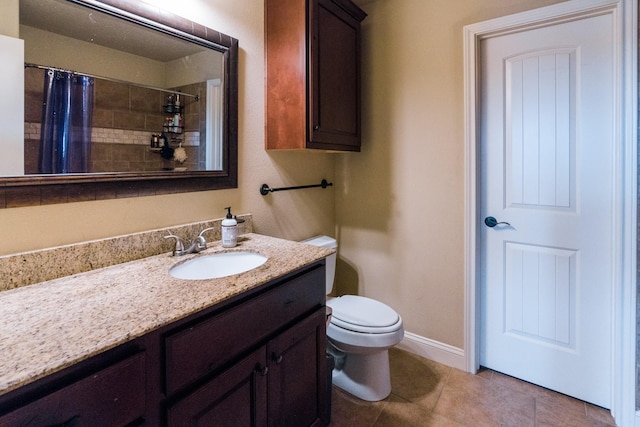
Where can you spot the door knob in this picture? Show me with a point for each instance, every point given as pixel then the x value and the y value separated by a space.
pixel 492 222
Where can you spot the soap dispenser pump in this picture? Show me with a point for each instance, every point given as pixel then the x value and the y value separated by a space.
pixel 229 230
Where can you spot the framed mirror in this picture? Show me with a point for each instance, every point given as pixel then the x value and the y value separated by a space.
pixel 160 99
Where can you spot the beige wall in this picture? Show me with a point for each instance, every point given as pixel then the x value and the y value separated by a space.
pixel 400 203
pixel 9 20
pixel 293 215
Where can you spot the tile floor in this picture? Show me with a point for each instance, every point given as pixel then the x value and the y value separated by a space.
pixel 426 393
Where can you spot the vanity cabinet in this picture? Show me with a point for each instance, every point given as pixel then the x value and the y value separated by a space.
pixel 262 359
pixel 255 359
pixel 312 74
pixel 279 384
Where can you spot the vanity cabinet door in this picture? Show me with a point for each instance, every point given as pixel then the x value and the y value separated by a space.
pixel 114 396
pixel 312 74
pixel 236 397
pixel 298 374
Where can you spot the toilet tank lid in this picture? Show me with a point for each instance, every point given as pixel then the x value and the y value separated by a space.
pixel 322 241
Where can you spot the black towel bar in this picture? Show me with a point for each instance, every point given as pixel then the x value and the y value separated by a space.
pixel 265 189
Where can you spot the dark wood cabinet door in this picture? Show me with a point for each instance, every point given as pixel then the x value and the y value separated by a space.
pixel 297 374
pixel 334 76
pixel 236 397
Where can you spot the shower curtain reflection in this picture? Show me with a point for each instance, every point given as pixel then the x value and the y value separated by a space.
pixel 65 140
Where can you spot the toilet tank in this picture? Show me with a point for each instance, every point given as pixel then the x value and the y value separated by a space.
pixel 330 243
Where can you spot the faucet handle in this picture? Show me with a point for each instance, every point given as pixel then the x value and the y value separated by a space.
pixel 179 249
pixel 203 231
pixel 201 242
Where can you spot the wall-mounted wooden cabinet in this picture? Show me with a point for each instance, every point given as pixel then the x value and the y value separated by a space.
pixel 313 74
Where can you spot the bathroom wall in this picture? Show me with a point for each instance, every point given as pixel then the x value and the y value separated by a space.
pixel 293 215
pixel 400 203
pixel 9 18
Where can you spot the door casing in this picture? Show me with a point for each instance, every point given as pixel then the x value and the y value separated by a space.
pixel 623 347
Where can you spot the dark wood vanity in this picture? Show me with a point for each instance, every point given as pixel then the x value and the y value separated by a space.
pixel 255 359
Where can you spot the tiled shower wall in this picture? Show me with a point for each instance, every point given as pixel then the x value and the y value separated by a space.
pixel 124 118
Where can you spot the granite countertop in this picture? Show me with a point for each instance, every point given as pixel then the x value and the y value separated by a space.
pixel 51 325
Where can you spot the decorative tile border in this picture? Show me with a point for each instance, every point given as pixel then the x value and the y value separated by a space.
pixel 116 136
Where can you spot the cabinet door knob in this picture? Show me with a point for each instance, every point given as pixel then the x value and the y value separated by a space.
pixel 276 358
pixel 262 370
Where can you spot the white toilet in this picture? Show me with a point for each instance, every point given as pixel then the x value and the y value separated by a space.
pixel 360 333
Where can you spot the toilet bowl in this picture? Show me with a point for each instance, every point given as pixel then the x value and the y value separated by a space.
pixel 360 332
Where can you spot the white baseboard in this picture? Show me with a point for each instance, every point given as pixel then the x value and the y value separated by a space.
pixel 433 350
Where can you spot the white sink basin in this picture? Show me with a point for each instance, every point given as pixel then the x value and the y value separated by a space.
pixel 217 265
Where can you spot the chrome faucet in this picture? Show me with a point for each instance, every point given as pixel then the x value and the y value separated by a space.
pixel 198 244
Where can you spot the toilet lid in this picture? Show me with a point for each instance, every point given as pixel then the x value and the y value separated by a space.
pixel 363 314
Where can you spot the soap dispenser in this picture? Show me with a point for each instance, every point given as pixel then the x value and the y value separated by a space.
pixel 229 230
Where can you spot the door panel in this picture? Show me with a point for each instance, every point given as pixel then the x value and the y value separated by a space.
pixel 547 276
pixel 540 119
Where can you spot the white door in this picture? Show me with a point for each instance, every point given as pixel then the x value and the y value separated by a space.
pixel 546 168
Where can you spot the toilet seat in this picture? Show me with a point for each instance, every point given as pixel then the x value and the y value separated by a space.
pixel 364 315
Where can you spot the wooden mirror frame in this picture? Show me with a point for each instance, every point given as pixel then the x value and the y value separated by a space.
pixel 37 190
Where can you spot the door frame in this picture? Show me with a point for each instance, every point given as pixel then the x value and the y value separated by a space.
pixel 623 345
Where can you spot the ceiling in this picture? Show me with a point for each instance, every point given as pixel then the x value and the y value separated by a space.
pixel 79 22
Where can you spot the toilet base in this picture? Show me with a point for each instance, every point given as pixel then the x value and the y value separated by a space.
pixel 365 376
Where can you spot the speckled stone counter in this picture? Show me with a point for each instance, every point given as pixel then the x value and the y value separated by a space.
pixel 48 326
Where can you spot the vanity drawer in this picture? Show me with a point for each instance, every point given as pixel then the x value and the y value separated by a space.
pixel 193 352
pixel 113 396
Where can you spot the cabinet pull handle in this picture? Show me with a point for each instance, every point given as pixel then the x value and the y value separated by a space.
pixel 262 370
pixel 276 358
